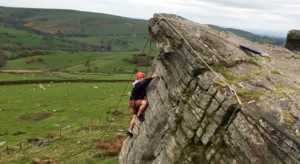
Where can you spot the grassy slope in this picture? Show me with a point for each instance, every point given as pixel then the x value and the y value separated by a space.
pixel 251 36
pixel 104 62
pixel 73 28
pixel 98 98
pixel 62 75
pixel 74 22
pixel 73 106
pixel 15 37
pixel 84 27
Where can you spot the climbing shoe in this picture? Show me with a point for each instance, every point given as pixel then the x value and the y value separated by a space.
pixel 141 117
pixel 129 133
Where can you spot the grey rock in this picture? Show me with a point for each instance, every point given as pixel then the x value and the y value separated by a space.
pixel 191 118
pixel 209 131
pixel 214 105
pixel 293 40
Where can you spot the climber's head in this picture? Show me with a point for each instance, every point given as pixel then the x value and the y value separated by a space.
pixel 139 75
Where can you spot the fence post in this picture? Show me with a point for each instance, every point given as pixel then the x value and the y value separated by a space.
pixel 20 145
pixel 7 150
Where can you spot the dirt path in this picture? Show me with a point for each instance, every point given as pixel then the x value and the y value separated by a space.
pixel 20 71
pixel 20 82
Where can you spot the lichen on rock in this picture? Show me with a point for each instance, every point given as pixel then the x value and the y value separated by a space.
pixel 191 119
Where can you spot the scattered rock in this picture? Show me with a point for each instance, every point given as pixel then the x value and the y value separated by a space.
pixel 42 141
pixel 2 143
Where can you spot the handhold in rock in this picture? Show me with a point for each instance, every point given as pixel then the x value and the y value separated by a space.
pixel 197 71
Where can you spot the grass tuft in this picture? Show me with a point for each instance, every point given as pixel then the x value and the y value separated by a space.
pixel 250 95
pixel 288 118
pixel 276 72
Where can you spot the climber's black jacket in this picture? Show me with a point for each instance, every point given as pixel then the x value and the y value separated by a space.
pixel 139 89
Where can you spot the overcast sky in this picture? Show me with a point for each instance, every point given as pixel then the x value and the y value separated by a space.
pixel 255 15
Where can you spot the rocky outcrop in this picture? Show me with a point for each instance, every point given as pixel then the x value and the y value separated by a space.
pixel 293 40
pixel 195 117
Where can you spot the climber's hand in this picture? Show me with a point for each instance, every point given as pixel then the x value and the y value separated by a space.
pixel 154 75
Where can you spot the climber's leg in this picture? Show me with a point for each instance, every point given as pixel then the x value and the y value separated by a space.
pixel 130 130
pixel 132 122
pixel 143 106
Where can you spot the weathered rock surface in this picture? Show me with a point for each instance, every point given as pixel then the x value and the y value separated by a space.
pixel 293 40
pixel 192 118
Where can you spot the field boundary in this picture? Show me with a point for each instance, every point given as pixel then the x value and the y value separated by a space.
pixel 20 71
pixel 20 82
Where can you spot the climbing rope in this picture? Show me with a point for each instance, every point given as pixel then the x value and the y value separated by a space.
pixel 125 89
pixel 224 82
pixel 124 92
pixel 148 56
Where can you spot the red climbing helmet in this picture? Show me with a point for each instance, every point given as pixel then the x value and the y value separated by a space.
pixel 139 75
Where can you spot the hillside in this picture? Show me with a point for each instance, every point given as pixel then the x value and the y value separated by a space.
pixel 252 37
pixel 72 23
pixel 69 30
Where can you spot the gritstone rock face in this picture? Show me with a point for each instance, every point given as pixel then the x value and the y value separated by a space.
pixel 193 117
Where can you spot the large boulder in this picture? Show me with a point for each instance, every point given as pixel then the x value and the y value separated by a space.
pixel 293 40
pixel 214 103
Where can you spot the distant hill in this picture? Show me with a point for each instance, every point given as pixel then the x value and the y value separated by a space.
pixel 68 30
pixel 252 37
pixel 72 23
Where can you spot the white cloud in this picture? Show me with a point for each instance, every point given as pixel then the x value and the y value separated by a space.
pixel 273 15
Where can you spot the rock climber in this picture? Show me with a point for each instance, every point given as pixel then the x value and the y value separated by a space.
pixel 137 102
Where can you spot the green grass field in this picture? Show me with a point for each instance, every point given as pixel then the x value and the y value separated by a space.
pixel 49 29
pixel 126 42
pixel 101 62
pixel 62 75
pixel 63 110
pixel 15 37
pixel 70 107
pixel 74 22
